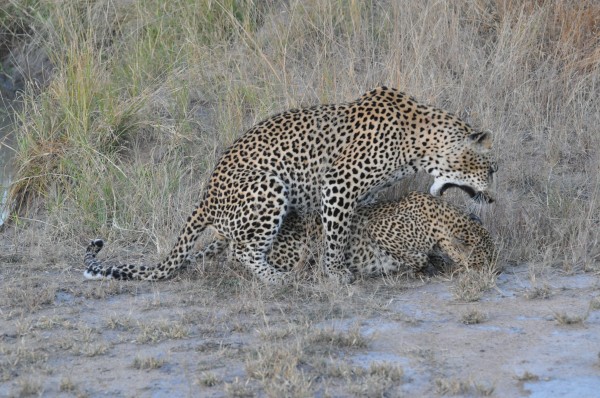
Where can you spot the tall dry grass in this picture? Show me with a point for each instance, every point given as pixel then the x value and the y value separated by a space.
pixel 145 95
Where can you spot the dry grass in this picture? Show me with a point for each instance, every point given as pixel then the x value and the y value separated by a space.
pixel 568 319
pixel 29 388
pixel 452 387
pixel 148 363
pixel 132 136
pixel 473 316
pixel 239 389
pixel 156 331
pixel 139 99
pixel 278 370
pixel 539 292
pixel 29 294
pixel 594 304
pixel 528 376
pixel 333 338
pixel 117 322
pixel 208 379
pixel 296 364
pixel 286 341
pixel 67 385
pixel 380 379
pixel 91 349
pixel 446 386
pixel 471 284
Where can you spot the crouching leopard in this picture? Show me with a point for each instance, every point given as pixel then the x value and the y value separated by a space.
pixel 385 238
pixel 403 235
pixel 326 159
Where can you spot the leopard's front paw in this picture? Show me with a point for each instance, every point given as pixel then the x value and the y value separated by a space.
pixel 341 276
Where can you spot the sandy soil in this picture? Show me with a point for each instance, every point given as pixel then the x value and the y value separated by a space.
pixel 217 333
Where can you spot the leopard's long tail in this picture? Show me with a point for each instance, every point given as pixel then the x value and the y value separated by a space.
pixel 92 265
pixel 180 253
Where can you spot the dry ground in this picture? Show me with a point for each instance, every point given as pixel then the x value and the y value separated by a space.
pixel 128 104
pixel 216 332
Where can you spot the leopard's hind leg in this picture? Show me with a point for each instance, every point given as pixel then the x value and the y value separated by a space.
pixel 254 219
pixel 213 249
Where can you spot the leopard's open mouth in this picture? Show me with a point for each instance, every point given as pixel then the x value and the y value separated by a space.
pixel 477 196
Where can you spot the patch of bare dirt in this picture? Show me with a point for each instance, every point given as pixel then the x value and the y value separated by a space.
pixel 216 332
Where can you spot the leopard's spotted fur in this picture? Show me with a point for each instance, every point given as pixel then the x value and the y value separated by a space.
pixel 325 159
pixel 385 238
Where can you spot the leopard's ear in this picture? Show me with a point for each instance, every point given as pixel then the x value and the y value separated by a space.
pixel 475 217
pixel 481 142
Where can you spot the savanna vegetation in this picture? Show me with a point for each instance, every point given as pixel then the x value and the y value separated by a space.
pixel 141 97
pixel 121 108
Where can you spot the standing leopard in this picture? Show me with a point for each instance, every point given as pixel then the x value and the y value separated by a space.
pixel 385 238
pixel 325 159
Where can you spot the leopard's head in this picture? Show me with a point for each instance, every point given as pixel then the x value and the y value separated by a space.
pixel 465 165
